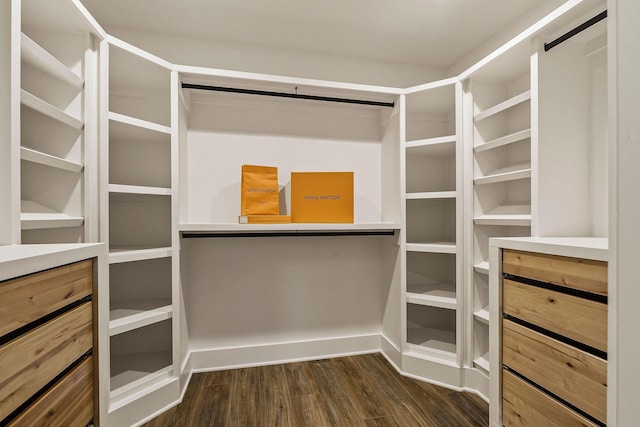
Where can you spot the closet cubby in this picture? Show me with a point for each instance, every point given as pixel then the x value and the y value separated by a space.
pixel 431 279
pixel 139 358
pixel 139 294
pixel 431 331
pixel 431 224
pixel 56 45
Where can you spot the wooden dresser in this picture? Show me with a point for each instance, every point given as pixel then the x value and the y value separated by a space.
pixel 553 339
pixel 46 347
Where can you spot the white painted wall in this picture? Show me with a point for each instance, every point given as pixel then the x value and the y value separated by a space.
pixel 262 59
pixel 624 33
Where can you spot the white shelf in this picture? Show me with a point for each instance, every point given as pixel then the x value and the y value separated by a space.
pixel 128 315
pixel 482 362
pixel 505 105
pixel 505 140
pixel 482 267
pixel 35 221
pixel 510 173
pixel 434 340
pixel 41 158
pixel 49 110
pixel 431 195
pixel 482 315
pixel 144 124
pixel 436 147
pixel 34 54
pixel 432 295
pixel 222 228
pixel 35 216
pixel 132 373
pixel 432 247
pixel 118 255
pixel 513 215
pixel 137 189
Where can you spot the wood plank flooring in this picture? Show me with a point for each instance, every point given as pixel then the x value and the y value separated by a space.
pixel 350 391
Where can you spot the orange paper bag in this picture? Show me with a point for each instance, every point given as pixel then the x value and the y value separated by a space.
pixel 324 197
pixel 259 191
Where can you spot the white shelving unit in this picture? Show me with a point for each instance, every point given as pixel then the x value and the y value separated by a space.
pixel 139 223
pixel 498 98
pixel 432 232
pixel 58 159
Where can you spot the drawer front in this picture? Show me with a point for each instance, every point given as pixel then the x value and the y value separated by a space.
pixel 32 360
pixel 582 274
pixel 28 298
pixel 524 405
pixel 68 403
pixel 571 374
pixel 577 318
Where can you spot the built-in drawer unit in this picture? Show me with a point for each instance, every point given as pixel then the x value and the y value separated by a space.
pixel 554 340
pixel 46 342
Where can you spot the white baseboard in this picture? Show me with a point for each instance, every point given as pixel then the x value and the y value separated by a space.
pixel 213 359
pixel 392 353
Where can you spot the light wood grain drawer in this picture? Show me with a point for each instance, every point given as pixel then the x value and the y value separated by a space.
pixel 28 298
pixel 573 317
pixel 582 274
pixel 524 405
pixel 32 360
pixel 571 374
pixel 69 402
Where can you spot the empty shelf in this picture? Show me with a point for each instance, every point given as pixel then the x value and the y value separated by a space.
pixel 128 315
pixel 132 373
pixel 441 341
pixel 441 295
pixel 137 189
pixel 34 54
pixel 39 157
pixel 482 267
pixel 436 147
pixel 482 362
pixel 482 315
pixel 510 173
pixel 435 247
pixel 431 195
pixel 49 110
pixel 117 255
pixel 505 140
pixel 34 221
pixel 509 103
pixel 35 216
pixel 144 124
pixel 516 215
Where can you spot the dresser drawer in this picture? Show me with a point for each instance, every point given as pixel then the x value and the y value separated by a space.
pixel 32 360
pixel 69 402
pixel 576 318
pixel 571 374
pixel 524 405
pixel 581 274
pixel 28 298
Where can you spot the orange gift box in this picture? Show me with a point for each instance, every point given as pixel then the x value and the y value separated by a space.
pixel 322 197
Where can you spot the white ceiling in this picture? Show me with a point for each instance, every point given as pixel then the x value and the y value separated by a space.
pixel 423 32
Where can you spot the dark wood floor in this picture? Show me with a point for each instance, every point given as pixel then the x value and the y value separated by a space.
pixel 346 391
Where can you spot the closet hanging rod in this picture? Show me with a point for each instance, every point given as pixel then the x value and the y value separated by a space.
pixel 300 233
pixel 288 95
pixel 599 17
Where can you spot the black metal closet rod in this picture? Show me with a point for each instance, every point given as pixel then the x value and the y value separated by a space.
pixel 288 95
pixel 300 233
pixel 576 30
